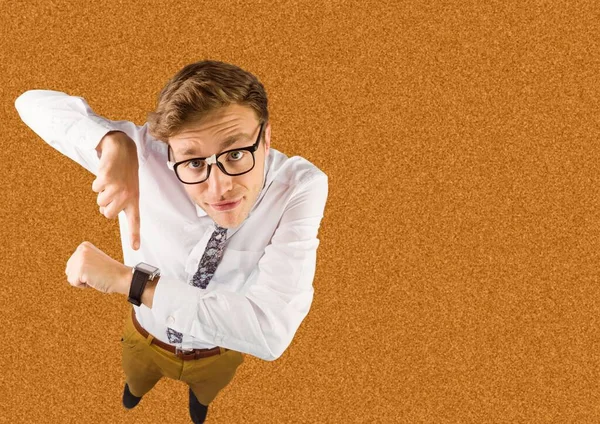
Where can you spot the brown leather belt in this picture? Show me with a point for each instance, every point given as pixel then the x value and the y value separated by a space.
pixel 186 355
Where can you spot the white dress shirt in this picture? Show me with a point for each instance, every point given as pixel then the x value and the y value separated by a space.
pixel 262 288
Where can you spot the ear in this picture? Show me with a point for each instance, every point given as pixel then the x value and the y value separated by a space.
pixel 267 138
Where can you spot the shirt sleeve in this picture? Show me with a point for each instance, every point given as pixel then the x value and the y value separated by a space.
pixel 263 321
pixel 69 125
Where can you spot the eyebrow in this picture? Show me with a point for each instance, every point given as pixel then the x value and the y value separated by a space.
pixel 232 139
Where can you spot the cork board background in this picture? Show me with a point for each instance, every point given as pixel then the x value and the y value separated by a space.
pixel 457 277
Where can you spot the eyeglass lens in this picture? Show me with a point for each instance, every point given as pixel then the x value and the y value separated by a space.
pixel 235 163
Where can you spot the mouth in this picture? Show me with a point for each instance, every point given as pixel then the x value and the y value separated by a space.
pixel 226 206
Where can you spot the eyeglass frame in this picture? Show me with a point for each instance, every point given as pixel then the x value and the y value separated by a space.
pixel 213 159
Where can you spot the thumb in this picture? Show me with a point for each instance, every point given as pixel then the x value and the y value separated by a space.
pixel 133 218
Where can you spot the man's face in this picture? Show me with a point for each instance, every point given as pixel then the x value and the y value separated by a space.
pixel 204 138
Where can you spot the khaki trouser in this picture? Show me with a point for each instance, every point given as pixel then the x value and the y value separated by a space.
pixel 145 364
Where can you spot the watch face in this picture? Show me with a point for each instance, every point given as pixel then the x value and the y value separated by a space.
pixel 146 268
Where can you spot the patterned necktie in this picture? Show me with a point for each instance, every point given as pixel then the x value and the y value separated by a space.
pixel 206 269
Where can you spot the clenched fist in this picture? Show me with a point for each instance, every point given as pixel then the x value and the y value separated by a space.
pixel 88 266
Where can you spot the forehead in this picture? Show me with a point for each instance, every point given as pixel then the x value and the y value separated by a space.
pixel 230 125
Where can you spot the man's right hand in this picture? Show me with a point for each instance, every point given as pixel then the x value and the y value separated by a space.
pixel 117 182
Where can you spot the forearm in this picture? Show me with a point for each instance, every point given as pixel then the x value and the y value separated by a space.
pixel 66 123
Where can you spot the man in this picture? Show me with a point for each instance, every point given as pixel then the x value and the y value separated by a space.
pixel 227 225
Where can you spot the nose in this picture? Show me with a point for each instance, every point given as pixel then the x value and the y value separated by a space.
pixel 218 182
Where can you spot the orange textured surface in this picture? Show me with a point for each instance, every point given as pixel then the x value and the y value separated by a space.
pixel 457 276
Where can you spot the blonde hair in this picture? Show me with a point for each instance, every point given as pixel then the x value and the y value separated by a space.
pixel 200 88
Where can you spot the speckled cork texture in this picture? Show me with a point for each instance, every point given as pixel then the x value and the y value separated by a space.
pixel 457 275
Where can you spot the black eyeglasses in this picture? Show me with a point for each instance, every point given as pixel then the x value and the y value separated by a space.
pixel 197 170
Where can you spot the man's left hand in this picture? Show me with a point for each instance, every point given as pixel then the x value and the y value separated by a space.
pixel 88 266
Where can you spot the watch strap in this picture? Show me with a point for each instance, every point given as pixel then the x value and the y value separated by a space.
pixel 138 284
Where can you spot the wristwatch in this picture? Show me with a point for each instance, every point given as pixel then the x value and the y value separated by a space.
pixel 142 273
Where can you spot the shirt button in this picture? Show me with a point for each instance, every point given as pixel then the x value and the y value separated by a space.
pixel 171 320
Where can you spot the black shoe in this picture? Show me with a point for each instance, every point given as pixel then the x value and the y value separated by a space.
pixel 129 401
pixel 197 410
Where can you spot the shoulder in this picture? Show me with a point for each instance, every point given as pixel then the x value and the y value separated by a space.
pixel 293 171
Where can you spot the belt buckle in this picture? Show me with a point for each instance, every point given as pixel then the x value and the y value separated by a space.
pixel 185 352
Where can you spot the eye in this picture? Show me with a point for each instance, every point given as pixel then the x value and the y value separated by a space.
pixel 237 155
pixel 199 162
